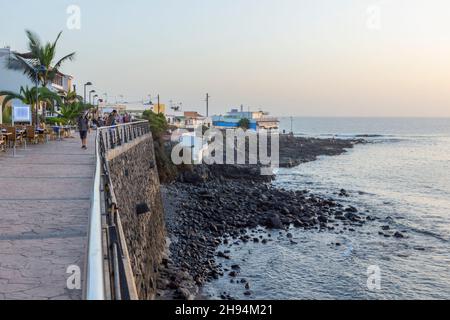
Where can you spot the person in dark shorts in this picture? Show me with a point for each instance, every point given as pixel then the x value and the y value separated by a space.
pixel 83 128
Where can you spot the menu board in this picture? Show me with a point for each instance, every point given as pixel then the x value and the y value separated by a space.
pixel 21 112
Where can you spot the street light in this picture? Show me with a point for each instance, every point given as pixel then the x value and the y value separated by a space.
pixel 85 85
pixel 151 103
pixel 38 70
pixel 208 97
pixel 90 94
pixel 96 96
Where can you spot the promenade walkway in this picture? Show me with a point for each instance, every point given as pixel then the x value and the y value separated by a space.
pixel 44 204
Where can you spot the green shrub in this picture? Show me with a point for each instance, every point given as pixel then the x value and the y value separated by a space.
pixel 54 121
pixel 158 123
pixel 244 124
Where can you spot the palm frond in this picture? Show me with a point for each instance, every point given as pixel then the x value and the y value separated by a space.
pixel 9 95
pixel 56 40
pixel 27 67
pixel 6 100
pixel 42 55
pixel 13 63
pixel 34 43
pixel 69 57
pixel 69 112
pixel 45 93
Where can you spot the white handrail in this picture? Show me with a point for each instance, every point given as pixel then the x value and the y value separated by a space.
pixel 95 272
pixel 124 124
pixel 95 283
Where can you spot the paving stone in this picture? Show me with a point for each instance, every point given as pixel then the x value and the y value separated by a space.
pixel 44 207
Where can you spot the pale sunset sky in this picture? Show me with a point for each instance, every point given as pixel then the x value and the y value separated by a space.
pixel 289 57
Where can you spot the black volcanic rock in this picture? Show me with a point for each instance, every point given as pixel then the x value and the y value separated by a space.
pixel 398 235
pixel 214 205
pixel 272 221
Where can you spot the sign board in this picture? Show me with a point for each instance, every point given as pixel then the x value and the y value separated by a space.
pixel 20 112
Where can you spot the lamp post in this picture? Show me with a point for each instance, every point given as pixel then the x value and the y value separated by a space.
pixel 90 94
pixel 85 85
pixel 95 97
pixel 37 70
pixel 207 104
pixel 151 103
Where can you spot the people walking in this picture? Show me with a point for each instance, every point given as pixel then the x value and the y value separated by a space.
pixel 83 128
pixel 112 119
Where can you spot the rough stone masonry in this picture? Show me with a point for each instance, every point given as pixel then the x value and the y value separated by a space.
pixel 136 184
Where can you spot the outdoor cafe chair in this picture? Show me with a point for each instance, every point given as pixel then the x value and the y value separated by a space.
pixel 31 135
pixel 51 134
pixel 21 131
pixel 2 143
pixel 15 138
pixel 43 135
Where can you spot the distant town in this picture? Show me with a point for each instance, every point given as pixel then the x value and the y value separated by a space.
pixel 63 85
pixel 187 119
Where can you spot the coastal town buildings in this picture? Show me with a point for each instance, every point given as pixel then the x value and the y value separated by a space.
pixel 194 120
pixel 134 108
pixel 258 120
pixel 191 119
pixel 188 120
pixel 176 119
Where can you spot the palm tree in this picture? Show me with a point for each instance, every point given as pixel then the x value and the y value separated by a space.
pixel 70 112
pixel 40 64
pixel 28 96
pixel 71 97
pixel 43 57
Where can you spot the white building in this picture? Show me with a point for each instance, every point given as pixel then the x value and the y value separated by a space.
pixel 193 120
pixel 176 119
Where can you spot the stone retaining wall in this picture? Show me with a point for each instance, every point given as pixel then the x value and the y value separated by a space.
pixel 135 179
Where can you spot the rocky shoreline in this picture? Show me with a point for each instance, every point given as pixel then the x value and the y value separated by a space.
pixel 209 205
pixel 201 217
pixel 297 150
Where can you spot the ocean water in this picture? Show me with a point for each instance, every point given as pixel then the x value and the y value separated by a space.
pixel 402 177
